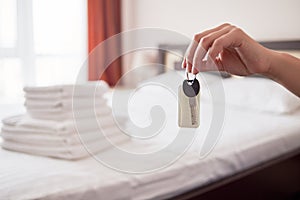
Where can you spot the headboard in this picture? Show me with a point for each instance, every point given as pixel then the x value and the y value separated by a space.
pixel 173 61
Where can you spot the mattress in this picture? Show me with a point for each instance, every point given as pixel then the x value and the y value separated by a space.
pixel 248 138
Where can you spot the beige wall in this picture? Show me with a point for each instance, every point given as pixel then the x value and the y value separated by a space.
pixel 262 19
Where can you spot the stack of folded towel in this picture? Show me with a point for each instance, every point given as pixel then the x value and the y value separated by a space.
pixel 49 127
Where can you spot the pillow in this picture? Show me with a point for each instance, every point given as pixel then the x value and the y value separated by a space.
pixel 259 94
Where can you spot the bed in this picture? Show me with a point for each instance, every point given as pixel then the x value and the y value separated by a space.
pixel 256 157
pixel 276 178
pixel 238 154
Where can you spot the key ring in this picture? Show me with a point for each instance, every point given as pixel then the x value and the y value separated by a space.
pixel 187 76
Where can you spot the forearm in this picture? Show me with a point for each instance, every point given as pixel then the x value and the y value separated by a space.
pixel 285 69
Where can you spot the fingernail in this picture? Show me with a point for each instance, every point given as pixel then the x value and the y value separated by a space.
pixel 183 64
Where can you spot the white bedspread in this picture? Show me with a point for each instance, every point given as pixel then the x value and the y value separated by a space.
pixel 248 139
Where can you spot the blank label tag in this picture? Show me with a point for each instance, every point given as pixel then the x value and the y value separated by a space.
pixel 188 109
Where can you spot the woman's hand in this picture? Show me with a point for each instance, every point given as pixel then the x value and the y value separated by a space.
pixel 229 49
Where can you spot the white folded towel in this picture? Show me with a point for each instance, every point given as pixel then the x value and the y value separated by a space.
pixel 71 152
pixel 57 140
pixel 27 124
pixel 58 114
pixel 63 104
pixel 62 91
pixel 54 116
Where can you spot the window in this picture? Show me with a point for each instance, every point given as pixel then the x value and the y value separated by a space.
pixel 42 42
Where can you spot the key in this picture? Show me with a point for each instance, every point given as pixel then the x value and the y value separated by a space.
pixel 188 104
pixel 193 104
pixel 191 89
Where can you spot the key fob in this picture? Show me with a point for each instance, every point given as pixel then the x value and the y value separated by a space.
pixel 191 88
pixel 189 104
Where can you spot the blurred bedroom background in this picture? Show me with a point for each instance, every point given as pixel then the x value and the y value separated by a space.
pixel 45 42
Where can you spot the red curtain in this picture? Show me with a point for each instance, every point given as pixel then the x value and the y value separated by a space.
pixel 104 21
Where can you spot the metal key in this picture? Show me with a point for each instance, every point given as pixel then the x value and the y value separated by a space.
pixel 189 94
pixel 193 104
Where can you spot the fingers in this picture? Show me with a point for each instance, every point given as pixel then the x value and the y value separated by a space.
pixel 204 45
pixel 211 43
pixel 232 39
pixel 194 44
pixel 198 59
pixel 198 36
pixel 183 63
pixel 190 54
pixel 207 40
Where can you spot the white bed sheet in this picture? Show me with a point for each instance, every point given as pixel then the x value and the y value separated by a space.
pixel 248 139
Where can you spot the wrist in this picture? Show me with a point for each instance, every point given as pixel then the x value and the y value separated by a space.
pixel 269 68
